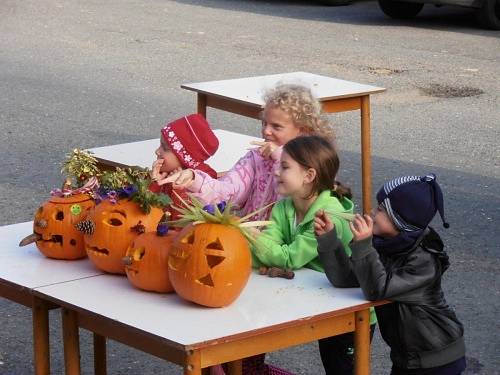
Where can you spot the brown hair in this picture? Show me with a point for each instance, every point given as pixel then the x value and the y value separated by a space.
pixel 319 153
pixel 299 102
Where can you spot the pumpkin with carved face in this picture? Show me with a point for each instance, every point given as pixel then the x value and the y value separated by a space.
pixel 113 228
pixel 54 226
pixel 210 264
pixel 146 262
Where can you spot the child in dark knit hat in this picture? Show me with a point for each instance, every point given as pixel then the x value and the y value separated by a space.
pixel 396 256
pixel 185 143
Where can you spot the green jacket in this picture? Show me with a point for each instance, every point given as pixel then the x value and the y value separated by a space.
pixel 287 246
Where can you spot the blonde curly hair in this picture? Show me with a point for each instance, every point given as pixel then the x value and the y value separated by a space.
pixel 304 109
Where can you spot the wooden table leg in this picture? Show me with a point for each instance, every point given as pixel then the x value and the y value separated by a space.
pixel 366 161
pixel 41 337
pixel 99 355
pixel 71 341
pixel 362 343
pixel 193 363
pixel 202 104
pixel 235 367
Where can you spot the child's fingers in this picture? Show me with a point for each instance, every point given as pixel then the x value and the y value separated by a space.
pixel 258 143
pixel 354 230
pixel 319 222
pixel 172 177
pixel 369 220
pixel 319 213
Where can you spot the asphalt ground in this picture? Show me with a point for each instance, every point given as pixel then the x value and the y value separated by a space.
pixel 93 73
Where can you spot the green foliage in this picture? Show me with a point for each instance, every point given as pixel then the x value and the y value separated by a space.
pixel 195 213
pixel 136 180
pixel 146 198
pixel 79 166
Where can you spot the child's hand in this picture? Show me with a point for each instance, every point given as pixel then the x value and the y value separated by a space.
pixel 156 175
pixel 182 179
pixel 265 148
pixel 322 223
pixel 361 227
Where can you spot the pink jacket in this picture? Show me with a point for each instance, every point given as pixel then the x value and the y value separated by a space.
pixel 250 184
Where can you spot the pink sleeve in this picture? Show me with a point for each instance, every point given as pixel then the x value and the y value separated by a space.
pixel 235 185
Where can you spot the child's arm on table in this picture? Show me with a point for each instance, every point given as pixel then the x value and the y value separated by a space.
pixel 332 253
pixel 376 283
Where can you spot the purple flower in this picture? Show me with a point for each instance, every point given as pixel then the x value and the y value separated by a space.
pixel 221 206
pixel 112 196
pixel 162 229
pixel 129 190
pixel 210 208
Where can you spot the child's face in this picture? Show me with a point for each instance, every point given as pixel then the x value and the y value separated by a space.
pixel 382 223
pixel 293 179
pixel 278 126
pixel 170 161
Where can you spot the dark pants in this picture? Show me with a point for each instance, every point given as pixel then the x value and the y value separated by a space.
pixel 337 353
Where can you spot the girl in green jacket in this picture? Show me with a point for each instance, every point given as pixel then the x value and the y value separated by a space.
pixel 306 178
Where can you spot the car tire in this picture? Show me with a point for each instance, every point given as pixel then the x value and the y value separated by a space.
pixel 400 9
pixel 489 14
pixel 334 2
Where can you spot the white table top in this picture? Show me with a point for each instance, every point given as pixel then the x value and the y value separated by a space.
pixel 264 302
pixel 250 90
pixel 232 146
pixel 26 267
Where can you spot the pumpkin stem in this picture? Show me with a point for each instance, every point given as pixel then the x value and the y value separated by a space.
pixel 30 239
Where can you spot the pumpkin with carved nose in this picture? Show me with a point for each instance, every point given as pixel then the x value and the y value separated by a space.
pixel 146 261
pixel 54 230
pixel 210 264
pixel 110 229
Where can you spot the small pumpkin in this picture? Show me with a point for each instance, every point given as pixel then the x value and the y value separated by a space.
pixel 146 261
pixel 112 228
pixel 210 264
pixel 54 226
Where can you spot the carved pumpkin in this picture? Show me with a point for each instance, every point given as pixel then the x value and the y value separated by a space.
pixel 209 264
pixel 146 262
pixel 113 227
pixel 54 226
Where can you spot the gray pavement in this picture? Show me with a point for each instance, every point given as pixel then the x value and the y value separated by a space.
pixel 94 73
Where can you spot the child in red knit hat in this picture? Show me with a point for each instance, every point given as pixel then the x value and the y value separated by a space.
pixel 185 143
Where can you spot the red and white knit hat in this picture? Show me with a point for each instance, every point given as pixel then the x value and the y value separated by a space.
pixel 192 140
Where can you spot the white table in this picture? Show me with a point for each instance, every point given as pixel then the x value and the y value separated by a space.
pixel 232 146
pixel 243 96
pixel 22 270
pixel 270 314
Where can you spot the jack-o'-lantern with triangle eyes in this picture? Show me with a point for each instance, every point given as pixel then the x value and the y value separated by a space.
pixel 111 227
pixel 210 264
pixel 210 260
pixel 146 261
pixel 54 227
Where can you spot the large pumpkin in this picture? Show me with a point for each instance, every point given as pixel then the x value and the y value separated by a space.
pixel 209 264
pixel 146 262
pixel 114 227
pixel 54 226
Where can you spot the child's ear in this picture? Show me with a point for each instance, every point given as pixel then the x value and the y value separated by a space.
pixel 310 175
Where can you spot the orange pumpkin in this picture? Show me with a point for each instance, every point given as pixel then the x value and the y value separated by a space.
pixel 209 264
pixel 146 262
pixel 115 226
pixel 54 226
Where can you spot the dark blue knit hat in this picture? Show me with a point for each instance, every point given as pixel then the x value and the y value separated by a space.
pixel 412 201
